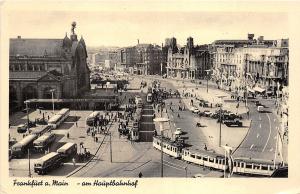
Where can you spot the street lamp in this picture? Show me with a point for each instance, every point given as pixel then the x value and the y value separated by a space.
pixel 26 102
pixel 161 122
pixel 207 71
pixel 52 91
pixel 220 133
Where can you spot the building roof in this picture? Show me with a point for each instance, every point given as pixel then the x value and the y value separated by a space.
pixel 35 47
pixel 27 75
pixel 31 75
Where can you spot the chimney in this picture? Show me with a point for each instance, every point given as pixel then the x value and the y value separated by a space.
pixel 138 41
pixel 19 37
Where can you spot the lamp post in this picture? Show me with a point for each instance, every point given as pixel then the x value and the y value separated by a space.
pixel 52 91
pixel 26 102
pixel 161 122
pixel 29 170
pixel 220 133
pixel 207 71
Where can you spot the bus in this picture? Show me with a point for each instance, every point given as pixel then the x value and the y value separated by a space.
pixel 19 149
pixel 91 118
pixel 59 117
pixel 149 98
pixel 44 141
pixel 47 163
pixel 40 130
pixel 68 150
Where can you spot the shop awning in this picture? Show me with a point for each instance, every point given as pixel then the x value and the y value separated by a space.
pixel 258 89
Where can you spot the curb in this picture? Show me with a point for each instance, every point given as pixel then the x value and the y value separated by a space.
pixel 243 139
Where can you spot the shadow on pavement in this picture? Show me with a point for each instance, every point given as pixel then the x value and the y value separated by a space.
pixel 64 170
pixel 72 119
pixel 65 126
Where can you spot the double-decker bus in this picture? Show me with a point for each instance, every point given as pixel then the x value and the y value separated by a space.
pixel 47 163
pixel 44 141
pixel 91 118
pixel 59 117
pixel 19 149
pixel 68 150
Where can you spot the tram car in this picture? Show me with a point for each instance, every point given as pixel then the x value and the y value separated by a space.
pixel 246 166
pixel 204 158
pixel 170 147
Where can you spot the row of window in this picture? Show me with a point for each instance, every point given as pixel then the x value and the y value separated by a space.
pixel 29 67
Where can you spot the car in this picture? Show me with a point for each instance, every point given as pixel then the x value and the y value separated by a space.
pixel 194 109
pixel 21 128
pixel 235 122
pixel 260 108
pixel 207 113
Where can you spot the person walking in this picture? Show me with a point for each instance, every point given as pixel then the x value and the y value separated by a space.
pixel 74 162
pixel 140 175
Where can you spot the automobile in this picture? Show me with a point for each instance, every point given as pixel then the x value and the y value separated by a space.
pixel 257 103
pixel 260 108
pixel 235 122
pixel 178 131
pixel 207 113
pixel 21 128
pixel 194 109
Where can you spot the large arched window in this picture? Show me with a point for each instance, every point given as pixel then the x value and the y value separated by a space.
pixel 29 92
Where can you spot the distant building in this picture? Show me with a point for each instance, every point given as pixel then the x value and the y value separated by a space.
pixel 190 62
pixel 260 62
pixel 37 66
pixel 142 59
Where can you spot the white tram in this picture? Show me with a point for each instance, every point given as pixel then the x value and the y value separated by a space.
pixel 169 147
pixel 215 161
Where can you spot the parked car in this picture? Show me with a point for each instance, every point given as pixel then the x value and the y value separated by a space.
pixel 207 113
pixel 21 128
pixel 235 122
pixel 195 110
pixel 260 108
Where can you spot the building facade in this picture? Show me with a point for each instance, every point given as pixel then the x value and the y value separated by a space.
pixel 189 62
pixel 40 68
pixel 261 63
pixel 142 59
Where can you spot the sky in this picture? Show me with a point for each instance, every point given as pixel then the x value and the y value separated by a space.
pixel 123 28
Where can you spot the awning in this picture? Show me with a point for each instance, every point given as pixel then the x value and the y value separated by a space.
pixel 258 89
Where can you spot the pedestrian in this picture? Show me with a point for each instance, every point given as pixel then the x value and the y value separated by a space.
pixel 205 147
pixel 76 124
pixel 74 162
pixel 96 139
pixel 48 117
pixel 68 135
pixel 140 175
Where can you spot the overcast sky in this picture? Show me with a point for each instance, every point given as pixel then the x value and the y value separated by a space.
pixel 120 28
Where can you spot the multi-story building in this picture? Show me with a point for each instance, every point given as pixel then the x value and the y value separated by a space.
pixel 261 62
pixel 37 67
pixel 189 62
pixel 141 59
